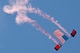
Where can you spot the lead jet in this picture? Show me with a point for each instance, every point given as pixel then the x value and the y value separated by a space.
pixel 73 33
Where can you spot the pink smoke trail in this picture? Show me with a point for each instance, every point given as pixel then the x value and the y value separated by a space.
pixel 20 7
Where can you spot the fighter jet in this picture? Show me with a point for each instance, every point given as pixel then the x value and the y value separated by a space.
pixel 57 47
pixel 73 33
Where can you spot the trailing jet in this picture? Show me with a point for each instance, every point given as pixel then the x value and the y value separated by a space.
pixel 73 33
pixel 57 47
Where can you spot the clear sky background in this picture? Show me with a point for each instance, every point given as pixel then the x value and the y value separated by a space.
pixel 25 38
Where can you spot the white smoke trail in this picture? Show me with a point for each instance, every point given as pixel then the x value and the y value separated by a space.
pixel 22 18
pixel 38 11
pixel 44 32
pixel 22 8
pixel 52 20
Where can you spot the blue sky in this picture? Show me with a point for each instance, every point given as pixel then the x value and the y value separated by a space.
pixel 26 39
